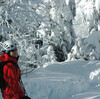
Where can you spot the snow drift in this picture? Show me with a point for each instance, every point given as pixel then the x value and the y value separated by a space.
pixel 67 80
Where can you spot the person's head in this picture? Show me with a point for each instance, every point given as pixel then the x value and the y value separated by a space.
pixel 10 48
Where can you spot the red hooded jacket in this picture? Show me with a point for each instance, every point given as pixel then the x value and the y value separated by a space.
pixel 11 76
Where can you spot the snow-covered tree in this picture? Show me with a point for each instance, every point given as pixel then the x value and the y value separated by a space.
pixel 85 14
pixel 50 55
pixel 87 48
pixel 40 28
pixel 45 27
pixel 57 28
pixel 19 21
pixel 92 46
pixel 86 26
pixel 77 51
pixel 97 5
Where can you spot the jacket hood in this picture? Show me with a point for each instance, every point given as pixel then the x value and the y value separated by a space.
pixel 5 57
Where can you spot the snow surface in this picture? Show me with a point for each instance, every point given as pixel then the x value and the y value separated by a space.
pixel 67 80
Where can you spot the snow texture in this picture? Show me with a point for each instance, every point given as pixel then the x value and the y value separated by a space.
pixel 67 80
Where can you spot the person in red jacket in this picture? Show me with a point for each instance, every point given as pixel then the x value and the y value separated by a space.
pixel 12 73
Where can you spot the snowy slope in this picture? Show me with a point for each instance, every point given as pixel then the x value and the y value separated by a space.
pixel 66 80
